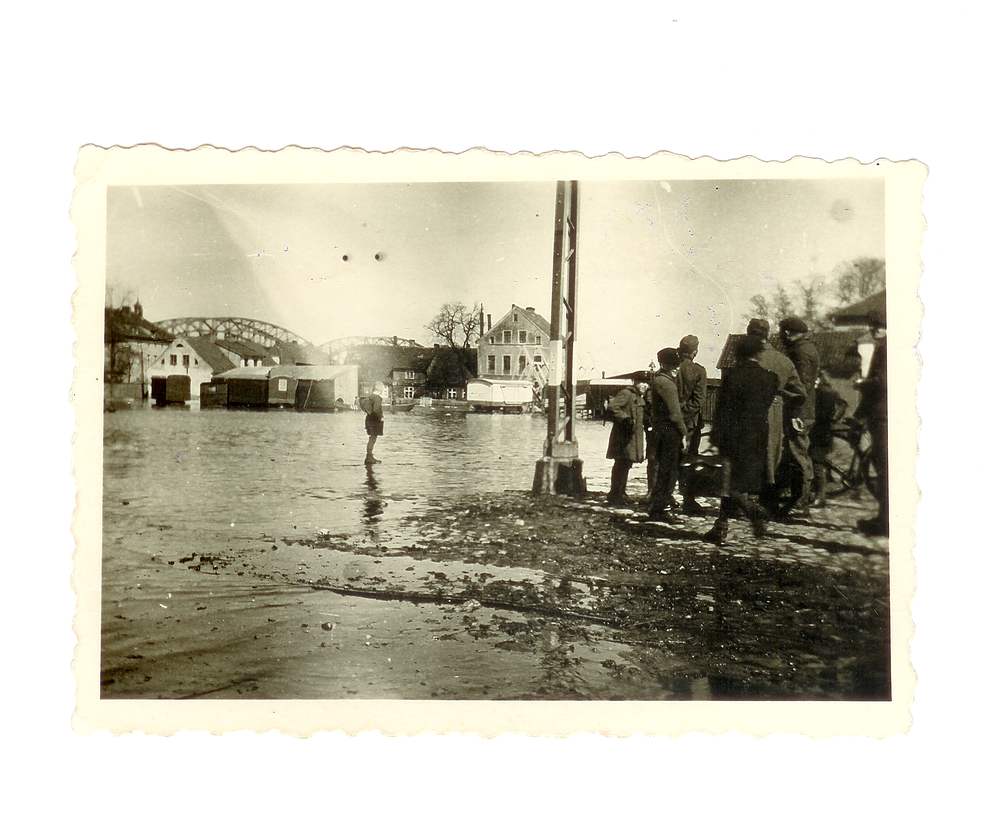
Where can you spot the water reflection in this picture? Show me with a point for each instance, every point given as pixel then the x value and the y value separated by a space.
pixel 374 505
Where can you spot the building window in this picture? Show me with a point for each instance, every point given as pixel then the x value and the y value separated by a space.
pixel 506 336
pixel 452 394
pixel 162 362
pixel 515 317
pixel 411 375
pixel 491 363
pixel 506 364
pixel 522 337
pixel 522 363
pixel 538 340
pixel 282 384
pixel 173 360
pixel 196 361
pixel 187 360
pixel 538 358
pixel 408 392
pixel 493 340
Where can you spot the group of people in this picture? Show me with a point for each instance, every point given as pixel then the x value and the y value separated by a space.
pixel 660 419
pixel 769 401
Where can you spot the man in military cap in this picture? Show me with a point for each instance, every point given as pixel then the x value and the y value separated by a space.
pixel 786 407
pixel 667 433
pixel 692 389
pixel 805 357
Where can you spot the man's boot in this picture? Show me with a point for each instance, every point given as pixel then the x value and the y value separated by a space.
pixel 720 530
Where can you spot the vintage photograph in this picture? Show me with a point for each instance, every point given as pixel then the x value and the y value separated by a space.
pixel 497 431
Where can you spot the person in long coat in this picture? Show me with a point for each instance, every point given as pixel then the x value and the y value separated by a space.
pixel 692 391
pixel 742 435
pixel 625 445
pixel 805 357
pixel 668 430
pixel 873 410
pixel 785 408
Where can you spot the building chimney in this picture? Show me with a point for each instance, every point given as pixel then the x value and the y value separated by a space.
pixel 481 330
pixel 489 322
pixel 530 308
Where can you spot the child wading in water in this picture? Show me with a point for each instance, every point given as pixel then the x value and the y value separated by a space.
pixel 374 423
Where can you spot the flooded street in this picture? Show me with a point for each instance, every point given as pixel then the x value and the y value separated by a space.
pixel 253 554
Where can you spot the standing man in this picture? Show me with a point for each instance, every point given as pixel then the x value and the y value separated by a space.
pixel 625 445
pixel 741 426
pixel 873 409
pixel 805 357
pixel 784 410
pixel 374 423
pixel 692 389
pixel 668 427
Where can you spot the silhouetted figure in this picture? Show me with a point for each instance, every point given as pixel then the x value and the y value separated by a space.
pixel 668 432
pixel 873 409
pixel 374 423
pixel 805 357
pixel 784 410
pixel 625 444
pixel 692 391
pixel 742 434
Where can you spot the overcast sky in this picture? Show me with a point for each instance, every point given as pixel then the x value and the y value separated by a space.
pixel 657 259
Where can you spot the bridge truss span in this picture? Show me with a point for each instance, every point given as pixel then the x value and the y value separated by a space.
pixel 231 328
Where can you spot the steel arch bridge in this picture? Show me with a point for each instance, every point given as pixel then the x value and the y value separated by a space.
pixel 231 328
pixel 337 349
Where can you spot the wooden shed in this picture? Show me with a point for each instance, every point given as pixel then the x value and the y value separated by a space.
pixel 282 383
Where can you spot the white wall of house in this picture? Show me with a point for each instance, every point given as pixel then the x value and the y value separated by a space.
pixel 180 358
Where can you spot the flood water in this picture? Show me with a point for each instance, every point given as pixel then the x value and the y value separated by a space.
pixel 239 474
pixel 271 507
pixel 253 554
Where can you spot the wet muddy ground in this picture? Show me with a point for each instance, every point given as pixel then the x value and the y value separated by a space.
pixel 493 594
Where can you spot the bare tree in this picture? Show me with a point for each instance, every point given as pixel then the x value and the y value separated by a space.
pixel 859 278
pixel 119 357
pixel 773 310
pixel 455 324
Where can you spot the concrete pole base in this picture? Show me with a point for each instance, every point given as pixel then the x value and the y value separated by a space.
pixel 559 476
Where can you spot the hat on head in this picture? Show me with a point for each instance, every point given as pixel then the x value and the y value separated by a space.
pixel 794 324
pixel 668 358
pixel 688 344
pixel 758 327
pixel 749 346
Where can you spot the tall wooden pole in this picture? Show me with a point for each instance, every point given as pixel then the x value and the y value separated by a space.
pixel 560 471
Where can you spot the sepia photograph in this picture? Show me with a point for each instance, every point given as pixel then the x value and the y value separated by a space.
pixel 505 431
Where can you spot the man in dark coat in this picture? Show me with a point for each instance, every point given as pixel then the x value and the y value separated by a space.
pixel 741 432
pixel 785 408
pixel 830 407
pixel 668 430
pixel 873 410
pixel 692 390
pixel 625 445
pixel 805 357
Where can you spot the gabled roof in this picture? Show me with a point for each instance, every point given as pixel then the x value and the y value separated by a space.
pixel 862 313
pixel 209 353
pixel 838 351
pixel 125 324
pixel 292 352
pixel 311 372
pixel 242 348
pixel 529 313
pixel 411 359
pixel 727 357
pixel 245 373
pixel 376 362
